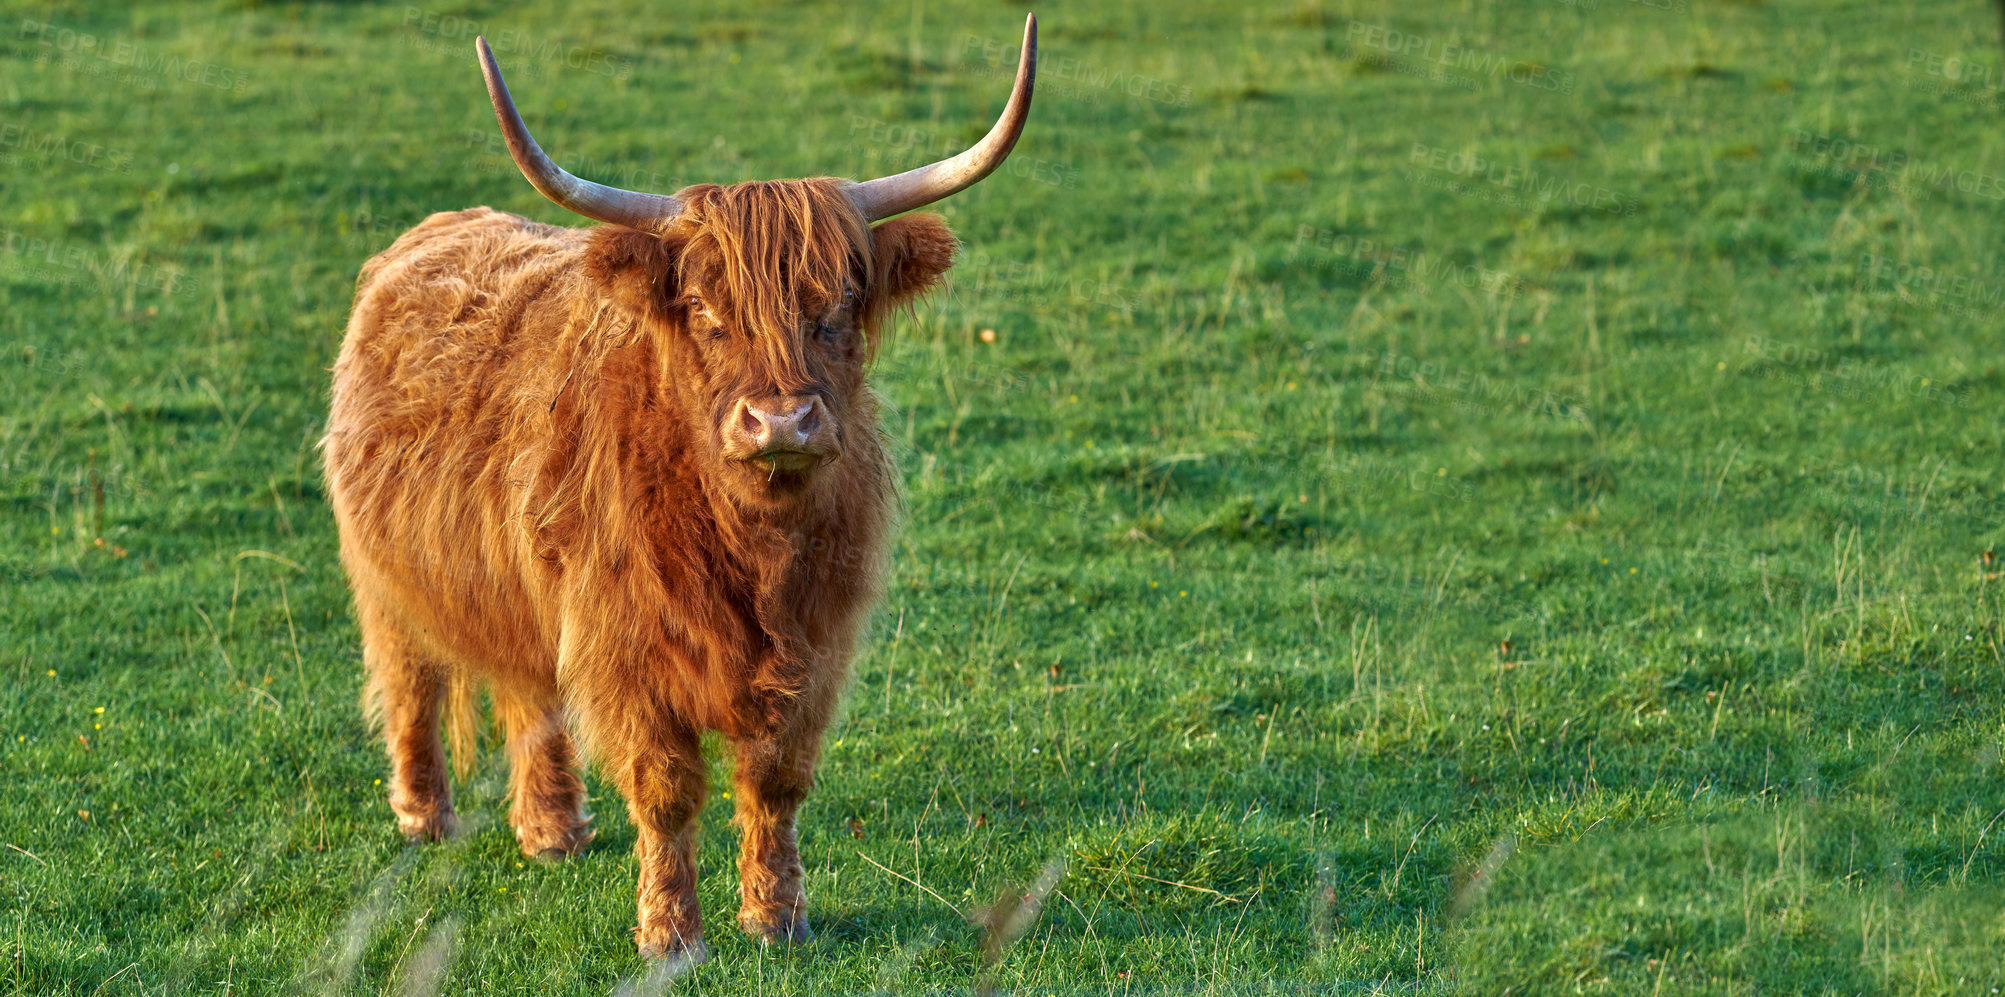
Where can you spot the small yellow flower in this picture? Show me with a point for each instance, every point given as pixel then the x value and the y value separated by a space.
pixel 1632 571
pixel 52 673
pixel 100 727
pixel 1151 585
pixel 379 782
pixel 98 710
pixel 1181 594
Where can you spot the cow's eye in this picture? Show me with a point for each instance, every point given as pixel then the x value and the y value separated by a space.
pixel 715 333
pixel 825 331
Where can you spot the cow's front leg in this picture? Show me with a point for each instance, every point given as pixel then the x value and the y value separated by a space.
pixel 772 778
pixel 660 770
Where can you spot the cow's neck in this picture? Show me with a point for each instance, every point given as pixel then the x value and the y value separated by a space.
pixel 800 564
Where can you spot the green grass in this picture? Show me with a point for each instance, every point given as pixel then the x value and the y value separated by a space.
pixel 1356 569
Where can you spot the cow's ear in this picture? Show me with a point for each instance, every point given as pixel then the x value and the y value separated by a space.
pixel 912 254
pixel 640 271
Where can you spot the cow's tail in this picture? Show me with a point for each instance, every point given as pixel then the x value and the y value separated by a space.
pixel 462 721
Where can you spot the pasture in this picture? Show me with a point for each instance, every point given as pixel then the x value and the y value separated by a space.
pixel 1400 498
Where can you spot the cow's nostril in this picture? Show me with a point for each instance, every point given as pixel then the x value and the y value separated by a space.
pixel 751 421
pixel 809 421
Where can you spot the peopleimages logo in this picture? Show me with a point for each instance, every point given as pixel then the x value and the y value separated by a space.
pixel 451 33
pixel 1955 69
pixel 1890 168
pixel 1398 266
pixel 72 264
pixel 493 157
pixel 1990 186
pixel 1540 187
pixel 1478 391
pixel 1013 279
pixel 1421 48
pixel 1847 152
pixel 19 138
pixel 1420 55
pixel 1926 287
pixel 883 139
pixel 91 54
pixel 1849 376
pixel 1001 56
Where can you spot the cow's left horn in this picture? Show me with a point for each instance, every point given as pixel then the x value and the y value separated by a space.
pixel 632 208
pixel 887 196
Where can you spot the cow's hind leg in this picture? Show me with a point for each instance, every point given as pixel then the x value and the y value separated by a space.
pixel 404 691
pixel 547 796
pixel 772 778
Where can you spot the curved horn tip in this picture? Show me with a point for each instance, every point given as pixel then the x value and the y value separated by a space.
pixel 490 70
pixel 886 196
pixel 613 205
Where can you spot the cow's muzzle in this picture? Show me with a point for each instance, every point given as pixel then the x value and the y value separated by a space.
pixel 784 432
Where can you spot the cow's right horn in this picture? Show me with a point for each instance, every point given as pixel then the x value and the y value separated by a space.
pixel 632 208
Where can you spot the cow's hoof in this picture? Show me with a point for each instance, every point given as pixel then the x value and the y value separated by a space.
pixel 676 955
pixel 439 825
pixel 781 927
pixel 556 843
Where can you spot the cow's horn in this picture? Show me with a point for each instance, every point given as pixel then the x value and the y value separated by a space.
pixel 632 208
pixel 887 196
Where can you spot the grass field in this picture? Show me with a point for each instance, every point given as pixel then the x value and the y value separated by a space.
pixel 1462 497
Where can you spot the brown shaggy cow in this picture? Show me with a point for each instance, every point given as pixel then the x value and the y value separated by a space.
pixel 630 480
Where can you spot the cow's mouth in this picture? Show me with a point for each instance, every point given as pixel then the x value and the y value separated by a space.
pixel 787 461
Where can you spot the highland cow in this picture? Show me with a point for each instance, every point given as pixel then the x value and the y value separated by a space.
pixel 630 480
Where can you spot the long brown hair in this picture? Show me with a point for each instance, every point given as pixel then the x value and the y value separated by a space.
pixel 772 245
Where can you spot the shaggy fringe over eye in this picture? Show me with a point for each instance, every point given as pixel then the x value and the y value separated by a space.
pixel 774 245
